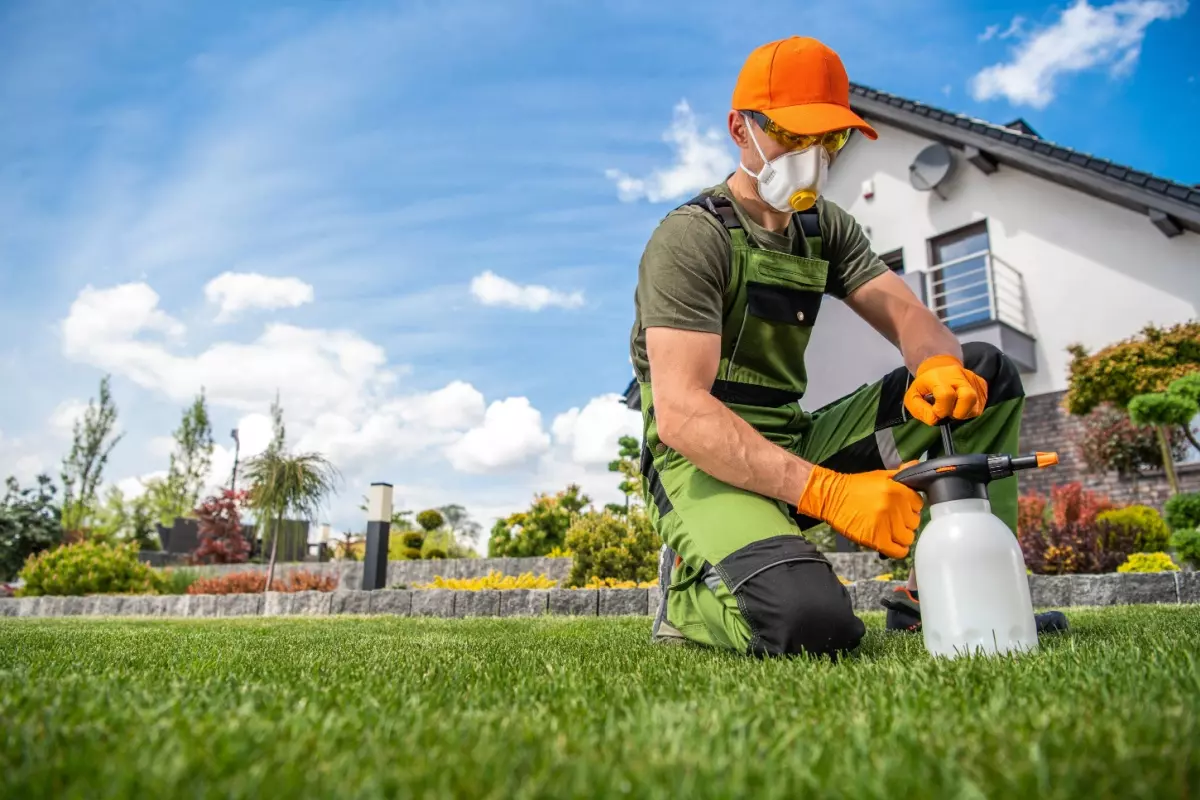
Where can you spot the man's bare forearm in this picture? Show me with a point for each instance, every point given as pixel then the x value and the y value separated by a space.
pixel 922 335
pixel 702 429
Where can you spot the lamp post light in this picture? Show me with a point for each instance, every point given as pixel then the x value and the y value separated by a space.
pixel 379 521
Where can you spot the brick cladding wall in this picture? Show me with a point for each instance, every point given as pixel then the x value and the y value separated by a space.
pixel 1047 426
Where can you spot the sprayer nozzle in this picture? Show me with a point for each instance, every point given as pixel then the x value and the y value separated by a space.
pixel 1046 459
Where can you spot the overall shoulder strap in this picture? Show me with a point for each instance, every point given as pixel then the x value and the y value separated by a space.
pixel 810 226
pixel 719 207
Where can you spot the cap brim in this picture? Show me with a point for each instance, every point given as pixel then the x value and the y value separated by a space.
pixel 815 118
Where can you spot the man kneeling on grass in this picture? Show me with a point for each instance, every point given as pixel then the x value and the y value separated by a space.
pixel 728 292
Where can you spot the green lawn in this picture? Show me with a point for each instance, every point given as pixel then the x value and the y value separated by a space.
pixel 560 707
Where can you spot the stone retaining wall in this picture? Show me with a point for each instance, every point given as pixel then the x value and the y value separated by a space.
pixel 1048 592
pixel 851 566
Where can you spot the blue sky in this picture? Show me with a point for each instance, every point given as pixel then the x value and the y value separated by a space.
pixel 408 217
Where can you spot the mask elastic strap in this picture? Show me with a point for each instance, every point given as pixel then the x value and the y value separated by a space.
pixel 761 154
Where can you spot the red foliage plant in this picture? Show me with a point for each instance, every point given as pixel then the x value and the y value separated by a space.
pixel 1072 541
pixel 251 582
pixel 1070 504
pixel 220 529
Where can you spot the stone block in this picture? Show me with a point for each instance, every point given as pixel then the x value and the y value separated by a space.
pixel 240 605
pixel 351 602
pixel 8 606
pixel 277 604
pixel 485 603
pixel 108 605
pixel 202 605
pixel 433 603
pixel 1096 590
pixel 350 576
pixel 574 602
pixel 1147 588
pixel 311 603
pixel 391 601
pixel 620 602
pixel 524 602
pixel 177 605
pixel 72 606
pixel 1050 591
pixel 1187 584
pixel 27 606
pixel 868 593
pixel 50 606
pixel 136 605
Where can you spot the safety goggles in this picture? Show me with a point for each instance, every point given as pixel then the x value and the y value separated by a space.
pixel 831 141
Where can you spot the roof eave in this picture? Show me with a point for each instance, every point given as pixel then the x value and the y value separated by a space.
pixel 1092 183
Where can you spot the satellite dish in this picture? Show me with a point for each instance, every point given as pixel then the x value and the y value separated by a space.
pixel 930 168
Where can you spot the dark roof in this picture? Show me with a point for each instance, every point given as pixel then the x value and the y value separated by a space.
pixel 1126 186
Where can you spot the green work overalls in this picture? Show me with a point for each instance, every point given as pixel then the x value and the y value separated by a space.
pixel 745 578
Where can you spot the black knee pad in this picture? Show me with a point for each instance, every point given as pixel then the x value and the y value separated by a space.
pixel 997 370
pixel 790 596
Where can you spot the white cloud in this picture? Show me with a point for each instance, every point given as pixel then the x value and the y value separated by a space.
pixel 591 434
pixel 236 292
pixel 63 418
pixel 1084 37
pixel 511 434
pixel 492 290
pixel 701 159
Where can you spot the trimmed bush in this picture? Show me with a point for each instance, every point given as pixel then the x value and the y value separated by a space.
pixel 1149 562
pixel 608 546
pixel 1186 544
pixel 252 582
pixel 89 568
pixel 493 580
pixel 1150 533
pixel 1182 511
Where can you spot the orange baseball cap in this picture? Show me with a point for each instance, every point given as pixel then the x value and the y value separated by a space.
pixel 801 84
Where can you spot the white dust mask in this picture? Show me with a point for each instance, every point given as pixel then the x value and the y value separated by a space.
pixel 792 181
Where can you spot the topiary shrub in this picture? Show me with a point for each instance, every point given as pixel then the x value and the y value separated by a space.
pixel 608 546
pixel 89 568
pixel 1149 562
pixel 1147 527
pixel 1182 511
pixel 1186 544
pixel 413 539
pixel 435 552
pixel 412 554
pixel 431 519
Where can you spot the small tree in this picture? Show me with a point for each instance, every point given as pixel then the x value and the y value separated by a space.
pixel 1175 408
pixel 1140 364
pixel 29 524
pixel 220 529
pixel 627 464
pixel 94 438
pixel 178 494
pixel 541 528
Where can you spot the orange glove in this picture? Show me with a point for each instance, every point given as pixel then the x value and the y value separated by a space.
pixel 956 391
pixel 866 507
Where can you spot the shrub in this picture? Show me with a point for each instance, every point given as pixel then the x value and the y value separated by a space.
pixel 541 528
pixel 1032 514
pixel 413 540
pixel 1076 547
pixel 435 552
pixel 1145 524
pixel 89 568
pixel 431 519
pixel 412 554
pixel 613 583
pixel 253 582
pixel 219 524
pixel 1148 562
pixel 178 581
pixel 29 524
pixel 1186 544
pixel 607 546
pixel 493 580
pixel 1071 504
pixel 1182 511
pixel 1112 442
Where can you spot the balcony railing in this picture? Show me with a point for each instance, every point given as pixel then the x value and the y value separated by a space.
pixel 975 288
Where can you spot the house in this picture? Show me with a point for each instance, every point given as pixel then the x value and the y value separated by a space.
pixel 1016 241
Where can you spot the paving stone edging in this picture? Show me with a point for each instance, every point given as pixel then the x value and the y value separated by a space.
pixel 1048 592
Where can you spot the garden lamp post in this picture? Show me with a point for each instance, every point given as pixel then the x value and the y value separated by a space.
pixel 379 520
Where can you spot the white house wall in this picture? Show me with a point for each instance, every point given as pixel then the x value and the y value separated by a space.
pixel 1094 273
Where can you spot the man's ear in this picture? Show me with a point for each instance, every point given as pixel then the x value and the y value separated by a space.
pixel 737 129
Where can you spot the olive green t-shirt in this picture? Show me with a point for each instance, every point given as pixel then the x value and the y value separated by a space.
pixel 685 267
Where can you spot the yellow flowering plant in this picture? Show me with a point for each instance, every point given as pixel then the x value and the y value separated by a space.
pixel 1148 562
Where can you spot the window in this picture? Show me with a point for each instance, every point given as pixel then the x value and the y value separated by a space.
pixel 894 260
pixel 961 287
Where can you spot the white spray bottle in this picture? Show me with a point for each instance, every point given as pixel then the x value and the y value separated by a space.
pixel 970 570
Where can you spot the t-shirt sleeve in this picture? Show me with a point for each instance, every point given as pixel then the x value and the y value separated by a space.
pixel 683 272
pixel 852 262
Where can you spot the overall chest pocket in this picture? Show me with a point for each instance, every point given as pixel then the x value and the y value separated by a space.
pixel 783 298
